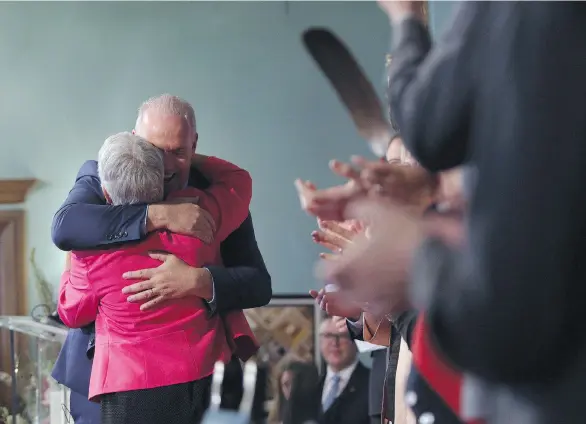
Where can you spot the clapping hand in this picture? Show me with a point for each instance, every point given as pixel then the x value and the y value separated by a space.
pixel 336 236
pixel 337 304
pixel 378 267
pixel 407 185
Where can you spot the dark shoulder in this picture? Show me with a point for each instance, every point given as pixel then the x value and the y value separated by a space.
pixel 197 179
pixel 361 371
pixel 88 169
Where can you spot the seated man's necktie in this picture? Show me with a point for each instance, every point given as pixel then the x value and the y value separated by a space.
pixel 332 393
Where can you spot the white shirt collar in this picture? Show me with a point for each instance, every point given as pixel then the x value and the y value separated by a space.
pixel 344 374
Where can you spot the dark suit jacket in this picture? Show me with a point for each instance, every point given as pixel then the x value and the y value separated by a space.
pixel 378 371
pixel 351 407
pixel 84 221
pixel 493 93
pixel 384 363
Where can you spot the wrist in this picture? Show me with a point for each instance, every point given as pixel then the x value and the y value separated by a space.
pixel 201 283
pixel 398 18
pixel 156 217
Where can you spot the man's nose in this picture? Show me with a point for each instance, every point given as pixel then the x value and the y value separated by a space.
pixel 168 161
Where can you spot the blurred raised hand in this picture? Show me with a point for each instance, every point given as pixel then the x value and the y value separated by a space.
pixel 403 183
pixel 376 268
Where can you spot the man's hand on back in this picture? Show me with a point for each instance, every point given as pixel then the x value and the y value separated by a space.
pixel 173 279
pixel 182 218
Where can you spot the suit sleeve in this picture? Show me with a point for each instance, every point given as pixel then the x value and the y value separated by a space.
pixel 231 193
pixel 244 281
pixel 430 92
pixel 85 221
pixel 78 303
pixel 509 305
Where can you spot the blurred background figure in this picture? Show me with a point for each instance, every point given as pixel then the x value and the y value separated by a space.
pixel 295 385
pixel 343 389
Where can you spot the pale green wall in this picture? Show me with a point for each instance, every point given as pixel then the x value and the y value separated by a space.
pixel 73 73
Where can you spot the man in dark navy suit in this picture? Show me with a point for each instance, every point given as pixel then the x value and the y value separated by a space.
pixel 85 221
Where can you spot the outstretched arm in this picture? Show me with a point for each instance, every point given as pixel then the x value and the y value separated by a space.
pixel 430 90
pixel 228 197
pixel 244 282
pixel 508 305
pixel 85 221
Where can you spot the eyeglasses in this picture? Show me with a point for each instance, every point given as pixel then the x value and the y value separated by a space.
pixel 332 337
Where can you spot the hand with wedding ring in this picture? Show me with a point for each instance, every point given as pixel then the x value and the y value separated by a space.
pixel 173 279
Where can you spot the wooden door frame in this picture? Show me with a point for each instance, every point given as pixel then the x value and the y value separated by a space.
pixel 16 218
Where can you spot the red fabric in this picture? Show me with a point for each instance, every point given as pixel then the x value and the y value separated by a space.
pixel 442 378
pixel 178 342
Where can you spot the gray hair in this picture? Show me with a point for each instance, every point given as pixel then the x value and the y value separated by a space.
pixel 168 105
pixel 131 169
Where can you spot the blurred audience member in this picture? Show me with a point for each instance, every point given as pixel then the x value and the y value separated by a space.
pixel 295 387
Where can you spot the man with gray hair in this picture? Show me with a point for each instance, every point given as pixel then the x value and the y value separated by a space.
pixel 243 282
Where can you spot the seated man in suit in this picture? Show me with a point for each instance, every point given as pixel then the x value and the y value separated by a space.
pixel 344 388
pixel 131 344
pixel 86 221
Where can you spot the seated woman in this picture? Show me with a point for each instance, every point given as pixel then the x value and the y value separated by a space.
pixel 297 400
pixel 146 363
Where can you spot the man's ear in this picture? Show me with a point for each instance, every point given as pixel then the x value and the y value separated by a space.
pixel 107 196
pixel 195 141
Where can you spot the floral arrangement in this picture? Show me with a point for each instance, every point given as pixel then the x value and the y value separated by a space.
pixel 8 419
pixel 5 415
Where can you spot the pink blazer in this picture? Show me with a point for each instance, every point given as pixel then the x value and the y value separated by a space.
pixel 178 342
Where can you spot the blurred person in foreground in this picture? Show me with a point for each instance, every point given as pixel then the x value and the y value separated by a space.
pixel 494 94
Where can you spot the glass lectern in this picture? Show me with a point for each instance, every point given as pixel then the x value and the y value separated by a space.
pixel 35 397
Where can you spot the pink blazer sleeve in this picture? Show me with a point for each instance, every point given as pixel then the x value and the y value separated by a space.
pixel 229 195
pixel 78 303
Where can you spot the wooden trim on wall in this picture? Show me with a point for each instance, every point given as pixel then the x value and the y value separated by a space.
pixel 13 286
pixel 16 218
pixel 14 191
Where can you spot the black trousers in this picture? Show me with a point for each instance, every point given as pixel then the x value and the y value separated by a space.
pixel 177 404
